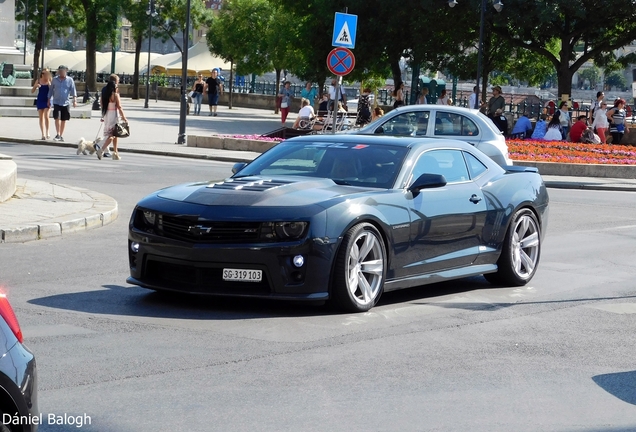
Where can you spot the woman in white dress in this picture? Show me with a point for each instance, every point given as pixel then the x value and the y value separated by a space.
pixel 601 122
pixel 111 105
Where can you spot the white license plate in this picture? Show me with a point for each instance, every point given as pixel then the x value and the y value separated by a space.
pixel 242 275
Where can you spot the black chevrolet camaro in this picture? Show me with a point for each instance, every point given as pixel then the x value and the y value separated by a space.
pixel 342 218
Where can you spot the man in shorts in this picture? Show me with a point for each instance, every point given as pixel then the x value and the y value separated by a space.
pixel 62 86
pixel 214 87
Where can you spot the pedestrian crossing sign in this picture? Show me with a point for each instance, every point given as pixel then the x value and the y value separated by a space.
pixel 344 30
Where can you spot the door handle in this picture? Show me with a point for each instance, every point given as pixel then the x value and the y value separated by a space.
pixel 475 199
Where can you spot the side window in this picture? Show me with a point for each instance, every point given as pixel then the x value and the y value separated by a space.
pixel 475 166
pixel 454 124
pixel 406 124
pixel 449 163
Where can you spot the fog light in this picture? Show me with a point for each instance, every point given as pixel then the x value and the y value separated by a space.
pixel 298 260
pixel 134 246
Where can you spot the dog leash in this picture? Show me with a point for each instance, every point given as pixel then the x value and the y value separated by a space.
pixel 98 131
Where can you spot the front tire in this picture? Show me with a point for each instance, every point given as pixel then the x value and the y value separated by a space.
pixel 360 269
pixel 521 251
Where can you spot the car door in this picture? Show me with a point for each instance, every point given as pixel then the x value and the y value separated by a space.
pixel 455 126
pixel 446 222
pixel 411 123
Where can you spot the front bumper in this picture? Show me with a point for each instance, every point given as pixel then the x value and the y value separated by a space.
pixel 172 265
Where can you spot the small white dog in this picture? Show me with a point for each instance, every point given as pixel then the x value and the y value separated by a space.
pixel 83 146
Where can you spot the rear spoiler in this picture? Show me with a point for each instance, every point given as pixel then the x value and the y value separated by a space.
pixel 521 168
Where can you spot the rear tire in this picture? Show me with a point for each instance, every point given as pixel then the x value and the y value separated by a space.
pixel 521 251
pixel 360 269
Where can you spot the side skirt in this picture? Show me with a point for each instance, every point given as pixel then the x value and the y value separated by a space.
pixel 429 278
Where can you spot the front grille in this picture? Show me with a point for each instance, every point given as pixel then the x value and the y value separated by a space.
pixel 249 185
pixel 198 279
pixel 209 232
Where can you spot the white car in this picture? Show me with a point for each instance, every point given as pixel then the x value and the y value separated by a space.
pixel 442 121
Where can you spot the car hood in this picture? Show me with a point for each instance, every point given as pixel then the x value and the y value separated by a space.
pixel 261 191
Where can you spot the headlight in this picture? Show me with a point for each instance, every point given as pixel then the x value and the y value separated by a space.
pixel 149 217
pixel 290 230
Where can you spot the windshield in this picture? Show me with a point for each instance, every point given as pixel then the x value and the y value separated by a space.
pixel 352 164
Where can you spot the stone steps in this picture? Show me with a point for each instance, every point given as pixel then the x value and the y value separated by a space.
pixel 17 101
pixel 82 111
pixel 15 91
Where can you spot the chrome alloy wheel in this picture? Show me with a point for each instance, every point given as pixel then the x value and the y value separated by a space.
pixel 525 246
pixel 365 268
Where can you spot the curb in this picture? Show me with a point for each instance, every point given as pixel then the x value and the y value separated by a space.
pixel 589 186
pixel 104 211
pixel 133 150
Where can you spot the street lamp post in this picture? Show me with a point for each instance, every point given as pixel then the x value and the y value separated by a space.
pixel 26 27
pixel 151 13
pixel 181 139
pixel 498 5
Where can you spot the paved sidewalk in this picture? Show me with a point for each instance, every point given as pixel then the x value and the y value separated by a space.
pixel 43 210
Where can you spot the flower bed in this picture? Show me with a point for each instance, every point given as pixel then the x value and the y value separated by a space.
pixel 568 152
pixel 252 137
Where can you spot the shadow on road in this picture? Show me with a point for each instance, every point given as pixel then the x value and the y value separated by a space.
pixel 135 301
pixel 620 384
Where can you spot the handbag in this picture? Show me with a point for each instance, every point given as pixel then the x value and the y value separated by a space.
pixel 284 104
pixel 122 130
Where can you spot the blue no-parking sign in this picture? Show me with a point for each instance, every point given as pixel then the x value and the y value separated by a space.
pixel 344 30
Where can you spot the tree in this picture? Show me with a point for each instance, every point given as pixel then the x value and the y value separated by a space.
pixel 591 74
pixel 56 23
pixel 282 41
pixel 237 35
pixel 101 19
pixel 585 30
pixel 135 12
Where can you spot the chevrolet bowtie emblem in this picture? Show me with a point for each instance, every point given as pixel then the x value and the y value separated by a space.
pixel 199 229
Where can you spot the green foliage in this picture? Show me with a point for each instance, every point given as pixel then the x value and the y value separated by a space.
pixel 585 30
pixel 171 19
pixel 238 35
pixel 160 79
pixel 591 74
pixel 616 79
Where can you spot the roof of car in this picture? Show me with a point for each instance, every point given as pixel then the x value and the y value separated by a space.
pixel 377 139
pixel 451 108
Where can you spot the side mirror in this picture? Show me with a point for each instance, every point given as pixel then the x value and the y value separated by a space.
pixel 379 131
pixel 238 166
pixel 427 181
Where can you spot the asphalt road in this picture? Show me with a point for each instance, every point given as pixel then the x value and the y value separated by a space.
pixel 557 355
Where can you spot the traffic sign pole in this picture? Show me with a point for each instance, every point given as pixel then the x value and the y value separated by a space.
pixel 335 104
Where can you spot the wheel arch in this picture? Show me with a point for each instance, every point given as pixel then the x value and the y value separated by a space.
pixel 372 220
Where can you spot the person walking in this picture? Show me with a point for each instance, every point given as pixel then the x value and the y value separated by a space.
pixel 197 96
pixel 422 100
pixel 566 121
pixel 42 85
pixel 473 100
pixel 616 115
pixel 495 103
pixel 214 89
pixel 62 87
pixel 286 96
pixel 597 104
pixel 601 122
pixel 111 105
pixel 364 108
pixel 444 99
